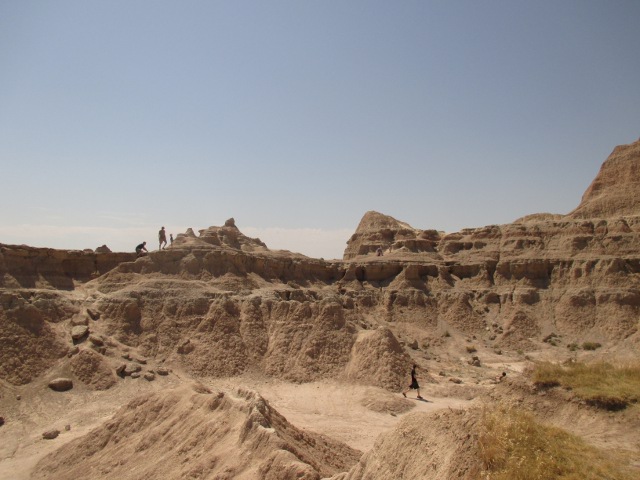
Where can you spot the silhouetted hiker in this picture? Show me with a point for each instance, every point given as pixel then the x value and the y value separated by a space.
pixel 171 238
pixel 142 249
pixel 414 384
pixel 162 238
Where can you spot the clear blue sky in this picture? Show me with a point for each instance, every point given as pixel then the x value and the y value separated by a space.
pixel 296 117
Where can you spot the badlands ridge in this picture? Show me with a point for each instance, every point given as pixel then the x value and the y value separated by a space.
pixel 219 358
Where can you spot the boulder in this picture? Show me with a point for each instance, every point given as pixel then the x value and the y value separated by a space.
pixel 79 332
pixel 50 434
pixel 61 384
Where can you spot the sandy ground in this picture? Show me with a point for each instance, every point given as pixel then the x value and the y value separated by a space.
pixel 337 410
pixel 332 409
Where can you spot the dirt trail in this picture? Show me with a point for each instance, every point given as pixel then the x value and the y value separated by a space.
pixel 338 410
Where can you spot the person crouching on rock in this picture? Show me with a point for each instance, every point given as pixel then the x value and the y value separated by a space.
pixel 141 249
pixel 414 384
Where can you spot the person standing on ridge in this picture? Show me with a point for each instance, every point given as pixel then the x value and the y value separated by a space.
pixel 414 384
pixel 162 238
pixel 171 238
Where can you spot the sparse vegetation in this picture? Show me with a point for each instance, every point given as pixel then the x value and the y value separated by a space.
pixel 591 345
pixel 573 347
pixel 599 384
pixel 515 446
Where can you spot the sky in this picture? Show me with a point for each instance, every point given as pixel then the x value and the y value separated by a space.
pixel 297 117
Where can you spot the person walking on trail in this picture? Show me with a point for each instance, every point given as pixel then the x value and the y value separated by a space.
pixel 414 384
pixel 162 238
pixel 171 238
pixel 141 249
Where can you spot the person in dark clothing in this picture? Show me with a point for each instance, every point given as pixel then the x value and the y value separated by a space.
pixel 142 249
pixel 414 384
pixel 162 238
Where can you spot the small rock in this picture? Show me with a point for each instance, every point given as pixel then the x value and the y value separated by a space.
pixel 100 350
pixel 18 397
pixel 141 360
pixel 162 371
pixel 73 351
pixel 79 320
pixel 455 380
pixel 442 374
pixel 61 384
pixel 79 332
pixel 414 345
pixel 67 427
pixel 149 376
pixel 135 375
pixel 120 369
pixel 50 434
pixel 94 314
pixel 132 368
pixel 1 421
pixel 96 340
pixel 126 356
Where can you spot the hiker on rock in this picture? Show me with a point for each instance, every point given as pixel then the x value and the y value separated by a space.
pixel 162 238
pixel 141 249
pixel 171 238
pixel 414 384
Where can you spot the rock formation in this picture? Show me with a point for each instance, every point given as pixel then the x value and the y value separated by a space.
pixel 615 191
pixel 220 304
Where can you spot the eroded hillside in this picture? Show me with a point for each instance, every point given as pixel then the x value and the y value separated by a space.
pixel 220 305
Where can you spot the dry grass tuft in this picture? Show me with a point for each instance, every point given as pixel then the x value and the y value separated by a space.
pixel 514 446
pixel 600 384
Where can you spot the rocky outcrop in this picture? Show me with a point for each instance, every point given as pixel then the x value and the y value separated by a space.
pixel 226 236
pixel 615 191
pixel 578 274
pixel 28 267
pixel 381 233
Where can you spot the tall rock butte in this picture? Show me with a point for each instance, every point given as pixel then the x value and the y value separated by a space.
pixel 616 189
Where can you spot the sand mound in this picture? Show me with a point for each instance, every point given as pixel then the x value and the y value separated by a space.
pixel 378 359
pixel 93 370
pixel 191 433
pixel 425 446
